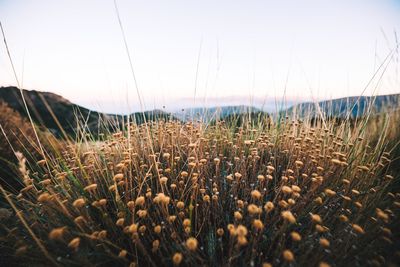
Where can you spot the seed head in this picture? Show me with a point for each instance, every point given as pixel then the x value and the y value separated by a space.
pixel 288 255
pixel 177 258
pixel 191 243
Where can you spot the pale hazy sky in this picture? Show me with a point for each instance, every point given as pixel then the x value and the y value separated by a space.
pixel 249 50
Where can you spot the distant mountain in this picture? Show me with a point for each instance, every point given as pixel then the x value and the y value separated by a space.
pixel 48 108
pixel 213 113
pixel 349 106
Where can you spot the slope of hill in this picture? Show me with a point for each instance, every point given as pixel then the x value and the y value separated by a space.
pixel 52 111
pixel 342 107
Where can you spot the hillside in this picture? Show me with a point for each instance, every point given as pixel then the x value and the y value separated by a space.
pixel 44 107
pixel 341 107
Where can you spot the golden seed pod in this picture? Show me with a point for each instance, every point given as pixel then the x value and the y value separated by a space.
pixel 255 194
pixel 220 232
pixel 163 180
pixel 288 255
pixel 79 203
pixel 120 222
pixel 142 229
pixel 241 230
pixel 180 205
pixel 253 209
pixel 140 201
pixel 118 177
pixel 133 228
pixel 324 264
pixel 44 197
pixel 257 224
pixel 316 218
pixel 157 229
pixel 286 189
pixel 186 223
pixel 90 188
pixel 102 234
pixel 358 229
pixel 288 216
pixel 57 233
pixel 343 218
pixel 122 253
pixel 177 258
pixel 74 243
pixel 242 240
pixel 237 215
pixel 269 206
pixel 191 243
pixel 329 192
pixel 295 236
pixel 324 242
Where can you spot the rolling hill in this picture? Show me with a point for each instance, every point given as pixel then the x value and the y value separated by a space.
pixel 55 112
pixel 353 107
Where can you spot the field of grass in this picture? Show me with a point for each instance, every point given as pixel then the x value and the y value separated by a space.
pixel 242 192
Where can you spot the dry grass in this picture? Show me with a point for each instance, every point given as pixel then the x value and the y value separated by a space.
pixel 195 194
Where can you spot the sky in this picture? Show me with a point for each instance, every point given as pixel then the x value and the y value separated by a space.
pixel 201 53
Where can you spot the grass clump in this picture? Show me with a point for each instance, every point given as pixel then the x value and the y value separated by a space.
pixel 173 193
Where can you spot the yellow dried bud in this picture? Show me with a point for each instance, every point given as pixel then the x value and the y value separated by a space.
pixel 191 243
